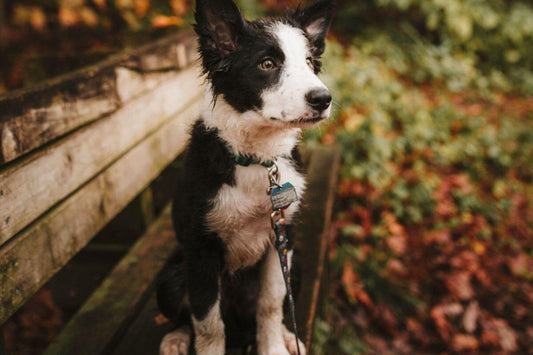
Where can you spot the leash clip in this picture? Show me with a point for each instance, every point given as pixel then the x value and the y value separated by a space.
pixel 275 217
pixel 274 177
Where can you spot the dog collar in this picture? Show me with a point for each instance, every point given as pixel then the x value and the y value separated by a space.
pixel 246 160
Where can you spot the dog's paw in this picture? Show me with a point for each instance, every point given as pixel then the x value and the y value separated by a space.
pixel 276 350
pixel 290 343
pixel 176 342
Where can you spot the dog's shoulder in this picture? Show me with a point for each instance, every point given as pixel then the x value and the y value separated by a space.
pixel 208 162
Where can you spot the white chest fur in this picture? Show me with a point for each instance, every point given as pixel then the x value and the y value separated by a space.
pixel 241 213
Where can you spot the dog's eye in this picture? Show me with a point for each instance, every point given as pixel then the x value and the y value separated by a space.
pixel 309 62
pixel 267 64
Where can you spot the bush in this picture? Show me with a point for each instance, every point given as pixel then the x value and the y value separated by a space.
pixel 479 42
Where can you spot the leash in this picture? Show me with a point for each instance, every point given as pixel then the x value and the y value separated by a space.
pixel 282 196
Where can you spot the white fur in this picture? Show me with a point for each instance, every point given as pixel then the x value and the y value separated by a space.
pixel 286 101
pixel 250 132
pixel 241 213
pixel 176 342
pixel 209 332
pixel 290 342
pixel 269 315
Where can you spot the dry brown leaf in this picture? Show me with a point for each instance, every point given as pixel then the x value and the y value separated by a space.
pixel 396 267
pixel 443 327
pixel 141 7
pixel 165 21
pixel 349 281
pixel 458 283
pixel 397 244
pixel 464 342
pixel 37 18
pixel 470 317
pixel 438 236
pixel 160 319
pixel 453 309
pixel 67 17
pixel 520 264
pixel 507 335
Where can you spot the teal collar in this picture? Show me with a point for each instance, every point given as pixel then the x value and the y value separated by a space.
pixel 245 160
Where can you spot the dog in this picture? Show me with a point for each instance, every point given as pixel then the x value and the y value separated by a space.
pixel 226 288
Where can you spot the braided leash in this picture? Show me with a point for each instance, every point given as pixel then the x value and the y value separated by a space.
pixel 281 246
pixel 282 196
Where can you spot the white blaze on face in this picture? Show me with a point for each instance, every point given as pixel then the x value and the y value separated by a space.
pixel 286 100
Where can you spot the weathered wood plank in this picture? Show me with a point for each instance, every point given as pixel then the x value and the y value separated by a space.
pixel 32 117
pixel 146 331
pixel 30 259
pixel 313 232
pixel 31 187
pixel 105 315
pixel 144 334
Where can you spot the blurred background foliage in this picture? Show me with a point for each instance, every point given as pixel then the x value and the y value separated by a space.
pixel 433 246
pixel 432 250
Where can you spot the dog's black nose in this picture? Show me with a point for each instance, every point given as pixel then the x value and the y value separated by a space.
pixel 319 99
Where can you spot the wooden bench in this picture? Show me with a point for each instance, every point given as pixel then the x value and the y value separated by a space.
pixel 75 151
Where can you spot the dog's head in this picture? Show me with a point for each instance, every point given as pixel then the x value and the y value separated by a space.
pixel 268 66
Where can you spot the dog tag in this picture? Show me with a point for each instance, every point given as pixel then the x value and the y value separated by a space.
pixel 283 196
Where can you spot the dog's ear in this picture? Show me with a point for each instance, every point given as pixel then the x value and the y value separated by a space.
pixel 315 20
pixel 219 25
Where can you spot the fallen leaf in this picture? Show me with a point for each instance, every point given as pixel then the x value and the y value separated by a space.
pixel 507 335
pixel 464 342
pixel 470 317
pixel 458 283
pixel 444 328
pixel 165 21
pixel 160 319
pixel 349 281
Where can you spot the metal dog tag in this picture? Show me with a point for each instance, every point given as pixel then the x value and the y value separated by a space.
pixel 283 196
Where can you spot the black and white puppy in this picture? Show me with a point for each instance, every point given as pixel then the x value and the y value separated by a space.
pixel 226 287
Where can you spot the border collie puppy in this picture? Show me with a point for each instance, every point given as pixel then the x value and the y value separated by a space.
pixel 226 288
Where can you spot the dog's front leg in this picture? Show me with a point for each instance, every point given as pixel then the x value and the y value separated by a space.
pixel 270 307
pixel 203 285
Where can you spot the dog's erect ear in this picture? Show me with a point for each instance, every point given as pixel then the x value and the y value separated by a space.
pixel 315 20
pixel 219 24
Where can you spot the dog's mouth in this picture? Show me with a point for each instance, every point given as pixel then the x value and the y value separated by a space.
pixel 303 121
pixel 312 119
pixel 308 121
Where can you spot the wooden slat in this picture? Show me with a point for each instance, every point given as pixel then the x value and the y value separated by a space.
pixel 30 259
pixel 32 117
pixel 313 232
pixel 31 187
pixel 145 333
pixel 111 308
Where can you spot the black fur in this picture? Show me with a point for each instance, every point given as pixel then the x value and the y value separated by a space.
pixel 320 12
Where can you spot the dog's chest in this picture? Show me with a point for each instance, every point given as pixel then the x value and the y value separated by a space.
pixel 241 213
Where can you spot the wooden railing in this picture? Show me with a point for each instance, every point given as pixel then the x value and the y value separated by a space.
pixel 77 149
